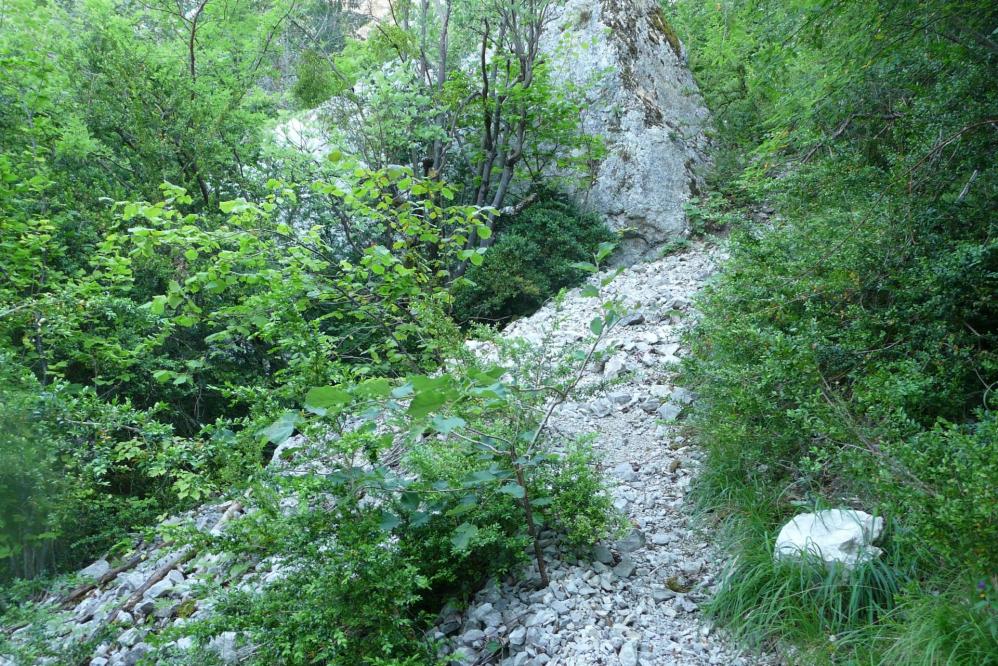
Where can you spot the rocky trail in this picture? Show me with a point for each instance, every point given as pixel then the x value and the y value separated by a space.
pixel 634 600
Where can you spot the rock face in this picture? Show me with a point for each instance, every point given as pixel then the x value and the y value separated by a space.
pixel 835 535
pixel 643 101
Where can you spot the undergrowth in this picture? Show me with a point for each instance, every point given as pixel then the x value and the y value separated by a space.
pixel 847 354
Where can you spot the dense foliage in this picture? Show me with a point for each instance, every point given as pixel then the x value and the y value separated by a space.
pixel 183 290
pixel 849 353
pixel 174 275
pixel 532 260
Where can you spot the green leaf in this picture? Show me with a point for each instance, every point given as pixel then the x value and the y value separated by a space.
pixel 479 477
pixel 445 425
pixel 589 291
pixel 514 489
pixel 419 519
pixel 389 521
pixel 281 429
pixel 158 305
pixel 191 254
pixel 463 535
pixel 467 504
pixel 402 392
pixel 429 394
pixel 410 500
pixel 476 259
pixel 584 266
pixel 604 250
pixel 373 388
pixel 319 399
pixel 596 325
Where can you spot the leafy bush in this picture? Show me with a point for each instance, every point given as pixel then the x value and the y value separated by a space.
pixel 530 261
pixel 77 473
pixel 348 596
pixel 848 352
pixel 368 552
pixel 372 551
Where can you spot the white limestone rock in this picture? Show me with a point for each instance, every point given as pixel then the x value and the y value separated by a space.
pixel 644 103
pixel 97 569
pixel 844 536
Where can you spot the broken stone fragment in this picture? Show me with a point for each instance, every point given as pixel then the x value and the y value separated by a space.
pixel 843 536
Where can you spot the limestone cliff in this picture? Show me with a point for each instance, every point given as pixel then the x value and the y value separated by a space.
pixel 644 103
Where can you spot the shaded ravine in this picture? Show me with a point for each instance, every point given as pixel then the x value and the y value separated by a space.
pixel 634 600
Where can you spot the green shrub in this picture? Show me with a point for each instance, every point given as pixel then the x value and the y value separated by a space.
pixel 530 261
pixel 848 352
pixel 349 597
pixel 76 474
pixel 373 551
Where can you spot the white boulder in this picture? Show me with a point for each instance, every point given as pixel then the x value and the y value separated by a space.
pixel 835 535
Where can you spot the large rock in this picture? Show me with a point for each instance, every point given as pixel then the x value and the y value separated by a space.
pixel 644 103
pixel 835 535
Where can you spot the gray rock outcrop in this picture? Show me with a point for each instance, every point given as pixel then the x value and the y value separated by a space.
pixel 644 103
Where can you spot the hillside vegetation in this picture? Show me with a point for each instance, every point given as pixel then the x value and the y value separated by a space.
pixel 848 355
pixel 203 324
pixel 181 293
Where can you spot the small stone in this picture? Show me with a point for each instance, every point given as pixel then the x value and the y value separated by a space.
pixel 673 465
pixel 691 568
pixel 625 569
pixel 662 594
pixel 481 612
pixel 628 654
pixel 681 396
pixel 601 408
pixel 620 398
pixel 602 554
pixel 661 538
pixel 133 656
pixel 633 319
pixel 473 636
pixel 686 604
pixel 616 365
pixel 159 589
pixel 625 472
pixel 635 540
pixel 129 637
pixel 517 636
pixel 669 411
pixel 145 607
pixel 650 405
pixel 835 535
pixel 97 569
